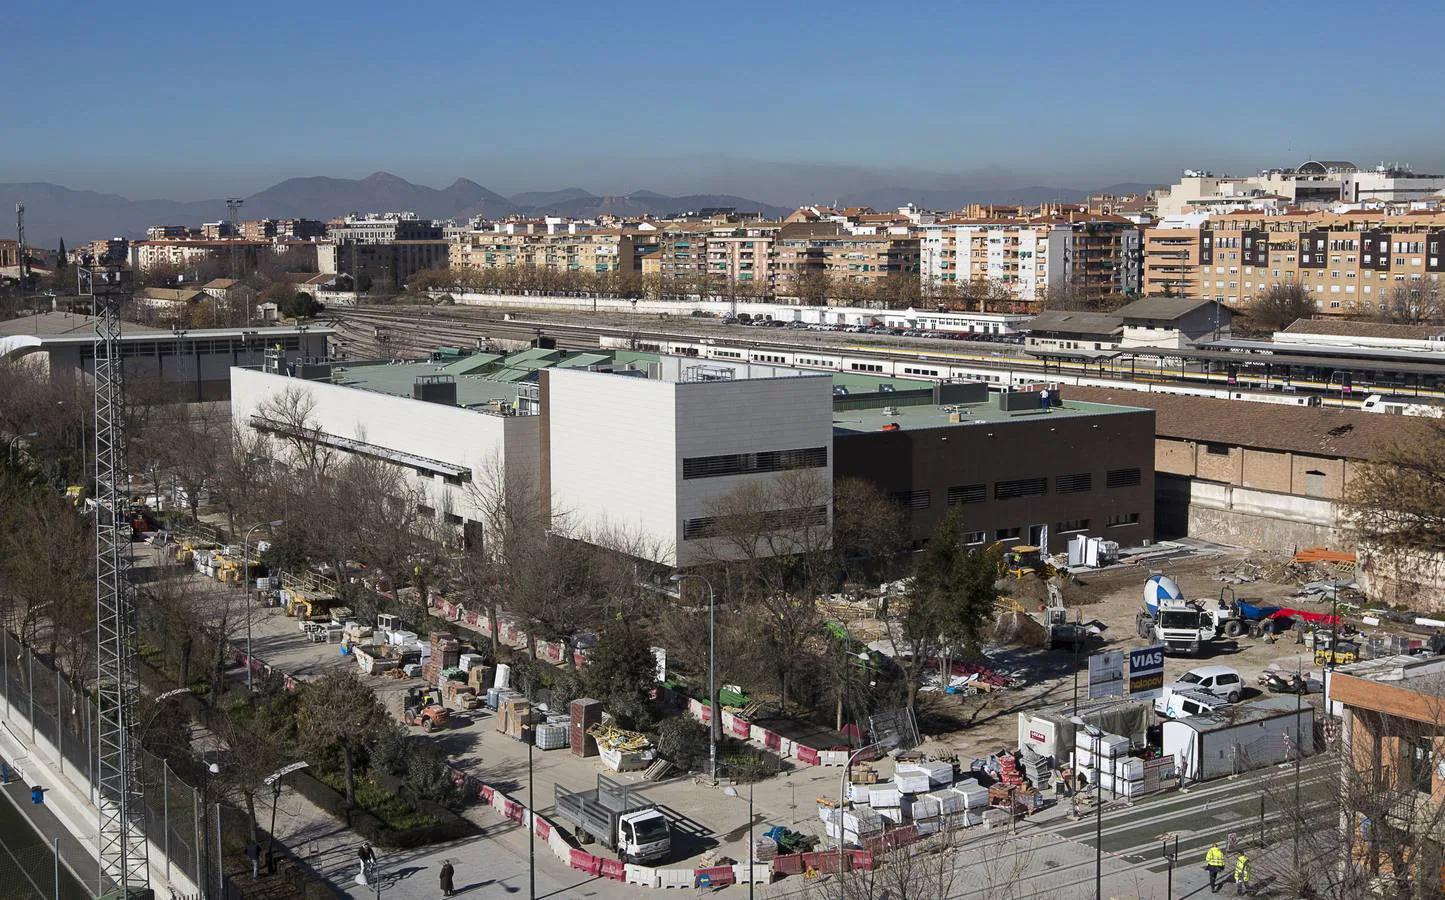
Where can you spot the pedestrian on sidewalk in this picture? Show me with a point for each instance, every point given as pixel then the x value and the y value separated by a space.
pixel 368 862
pixel 446 878
pixel 1214 864
pixel 1241 874
pixel 253 853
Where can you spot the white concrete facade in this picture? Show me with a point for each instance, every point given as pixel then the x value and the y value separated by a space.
pixel 617 446
pixel 477 441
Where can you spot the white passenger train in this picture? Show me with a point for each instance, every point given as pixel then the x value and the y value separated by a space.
pixel 932 366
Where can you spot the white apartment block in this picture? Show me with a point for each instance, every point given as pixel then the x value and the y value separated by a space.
pixel 1028 258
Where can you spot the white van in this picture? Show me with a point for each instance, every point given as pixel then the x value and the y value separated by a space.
pixel 1221 681
pixel 1179 704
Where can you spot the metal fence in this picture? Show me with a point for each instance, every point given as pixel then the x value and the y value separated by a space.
pixel 41 704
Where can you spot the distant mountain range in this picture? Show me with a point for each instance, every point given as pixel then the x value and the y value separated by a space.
pixel 53 211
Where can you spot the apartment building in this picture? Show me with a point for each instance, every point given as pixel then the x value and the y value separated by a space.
pixel 1324 182
pixel 388 265
pixel 171 232
pixel 826 248
pixel 600 252
pixel 682 253
pixel 383 229
pixel 272 229
pixel 1099 254
pixel 742 256
pixel 1349 263
pixel 186 252
pixel 214 231
pixel 9 253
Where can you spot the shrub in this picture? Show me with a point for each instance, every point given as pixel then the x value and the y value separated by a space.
pixel 683 741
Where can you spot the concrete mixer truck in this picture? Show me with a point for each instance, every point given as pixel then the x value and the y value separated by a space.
pixel 1184 626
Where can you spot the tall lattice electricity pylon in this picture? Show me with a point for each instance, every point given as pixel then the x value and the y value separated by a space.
pixel 122 827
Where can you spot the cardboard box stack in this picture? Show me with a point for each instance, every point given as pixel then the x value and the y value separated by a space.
pixel 513 717
pixel 586 712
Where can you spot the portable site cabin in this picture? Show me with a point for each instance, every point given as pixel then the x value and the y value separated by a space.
pixel 1241 738
pixel 1050 732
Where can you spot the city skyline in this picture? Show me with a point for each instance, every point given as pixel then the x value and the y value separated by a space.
pixel 793 107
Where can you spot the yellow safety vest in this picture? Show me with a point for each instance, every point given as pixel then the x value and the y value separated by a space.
pixel 1215 857
pixel 1241 869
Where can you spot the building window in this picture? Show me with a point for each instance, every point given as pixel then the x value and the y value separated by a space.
pixel 1005 534
pixel 1422 762
pixel 1116 521
pixel 426 512
pixel 1217 449
pixel 974 538
pixel 772 520
pixel 453 519
pixel 1074 484
pixel 967 493
pixel 1123 478
pixel 913 499
pixel 750 463
pixel 1073 525
pixel 1022 487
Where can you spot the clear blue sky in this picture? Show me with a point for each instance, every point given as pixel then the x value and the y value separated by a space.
pixel 191 100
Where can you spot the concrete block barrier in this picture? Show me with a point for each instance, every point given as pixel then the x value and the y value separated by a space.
pixel 674 878
pixel 645 876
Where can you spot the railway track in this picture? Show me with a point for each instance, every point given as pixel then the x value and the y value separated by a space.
pixel 410 331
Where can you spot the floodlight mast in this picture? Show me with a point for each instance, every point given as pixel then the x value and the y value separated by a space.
pixel 121 830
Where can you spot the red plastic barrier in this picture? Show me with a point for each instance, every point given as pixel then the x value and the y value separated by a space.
pixel 772 741
pixel 513 810
pixel 807 755
pixel 860 859
pixel 614 869
pixel 716 875
pixel 544 828
pixel 586 862
pixel 472 618
pixel 486 794
pixel 741 728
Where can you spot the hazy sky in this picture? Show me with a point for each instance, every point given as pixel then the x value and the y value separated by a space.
pixel 780 101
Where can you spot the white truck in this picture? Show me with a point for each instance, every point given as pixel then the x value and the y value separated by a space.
pixel 617 818
pixel 1184 626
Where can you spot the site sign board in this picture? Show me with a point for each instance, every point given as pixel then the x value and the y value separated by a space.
pixel 1106 674
pixel 1146 672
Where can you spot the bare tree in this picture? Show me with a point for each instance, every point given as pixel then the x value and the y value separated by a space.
pixel 1279 305
pixel 1413 302
pixel 1397 501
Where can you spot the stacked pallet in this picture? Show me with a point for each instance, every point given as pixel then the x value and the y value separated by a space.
pixel 513 716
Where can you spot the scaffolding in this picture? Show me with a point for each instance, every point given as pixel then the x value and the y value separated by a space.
pixel 122 827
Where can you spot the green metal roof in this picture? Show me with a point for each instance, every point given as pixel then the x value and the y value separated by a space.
pixel 469 364
pixel 583 360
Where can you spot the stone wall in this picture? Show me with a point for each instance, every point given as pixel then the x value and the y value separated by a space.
pixel 1413 579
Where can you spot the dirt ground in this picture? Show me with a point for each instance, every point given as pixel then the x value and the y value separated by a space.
pixel 984 723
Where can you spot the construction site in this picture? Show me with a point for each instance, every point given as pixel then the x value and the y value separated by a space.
pixel 329 641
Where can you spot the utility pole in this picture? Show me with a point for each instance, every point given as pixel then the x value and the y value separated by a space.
pixel 122 824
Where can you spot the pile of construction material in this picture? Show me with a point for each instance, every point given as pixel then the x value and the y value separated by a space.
pixel 1104 759
pixel 622 750
pixel 926 794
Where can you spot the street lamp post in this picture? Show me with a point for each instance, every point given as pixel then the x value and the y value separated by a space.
pixel 714 720
pixel 274 779
pixel 1098 736
pixel 889 741
pixel 245 572
pixel 732 792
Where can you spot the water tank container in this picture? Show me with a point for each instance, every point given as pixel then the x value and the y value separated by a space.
pixel 1159 588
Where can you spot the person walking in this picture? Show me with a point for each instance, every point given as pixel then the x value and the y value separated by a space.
pixel 253 853
pixel 1241 873
pixel 1214 864
pixel 445 877
pixel 368 863
pixel 1044 400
